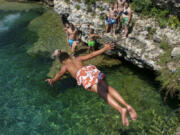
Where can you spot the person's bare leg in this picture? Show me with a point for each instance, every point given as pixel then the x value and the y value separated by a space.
pixel 119 98
pixel 89 49
pixel 74 46
pixel 114 104
pixel 126 31
pixel 93 49
pixel 107 27
pixel 67 40
pixel 111 28
pixel 114 29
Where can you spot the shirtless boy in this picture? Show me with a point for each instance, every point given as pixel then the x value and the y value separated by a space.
pixel 94 80
pixel 72 34
pixel 113 17
pixel 91 41
pixel 67 25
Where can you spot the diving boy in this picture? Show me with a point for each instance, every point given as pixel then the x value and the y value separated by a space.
pixel 94 80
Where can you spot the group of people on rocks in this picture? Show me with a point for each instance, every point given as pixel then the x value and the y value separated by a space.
pixel 117 21
pixel 118 18
pixel 73 39
pixel 89 76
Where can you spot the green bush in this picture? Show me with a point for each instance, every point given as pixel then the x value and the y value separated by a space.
pixel 147 7
pixel 164 45
pixel 142 5
pixel 77 7
pixel 173 21
pixel 102 17
pixel 89 8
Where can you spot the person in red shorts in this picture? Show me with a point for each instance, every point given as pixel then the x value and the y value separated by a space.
pixel 93 79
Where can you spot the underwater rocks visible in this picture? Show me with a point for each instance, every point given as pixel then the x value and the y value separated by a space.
pixel 51 36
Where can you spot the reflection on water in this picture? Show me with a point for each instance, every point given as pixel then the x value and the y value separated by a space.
pixel 8 21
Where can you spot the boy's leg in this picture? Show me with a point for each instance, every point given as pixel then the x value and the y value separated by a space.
pixel 119 98
pixel 89 49
pixel 101 89
pixel 107 27
pixel 93 49
pixel 114 29
pixel 67 40
pixel 126 30
pixel 120 24
pixel 75 43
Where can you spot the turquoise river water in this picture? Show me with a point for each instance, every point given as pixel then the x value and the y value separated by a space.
pixel 29 106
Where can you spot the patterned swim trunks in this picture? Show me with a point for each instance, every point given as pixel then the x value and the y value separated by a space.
pixel 89 76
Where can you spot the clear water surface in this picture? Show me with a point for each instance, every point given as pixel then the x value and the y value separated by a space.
pixel 29 106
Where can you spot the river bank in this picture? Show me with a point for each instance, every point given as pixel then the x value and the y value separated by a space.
pixel 148 45
pixel 31 106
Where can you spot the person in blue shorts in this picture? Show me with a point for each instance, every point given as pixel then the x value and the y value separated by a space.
pixel 113 18
pixel 72 32
pixel 107 22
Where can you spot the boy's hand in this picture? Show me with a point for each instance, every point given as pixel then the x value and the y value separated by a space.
pixel 50 81
pixel 109 46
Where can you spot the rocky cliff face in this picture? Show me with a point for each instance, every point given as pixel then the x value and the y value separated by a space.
pixel 142 47
pixel 172 5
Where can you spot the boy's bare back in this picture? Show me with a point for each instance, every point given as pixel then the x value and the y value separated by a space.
pixel 72 65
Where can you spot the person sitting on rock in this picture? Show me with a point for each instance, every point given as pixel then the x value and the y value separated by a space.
pixel 72 32
pixel 126 18
pixel 93 80
pixel 91 41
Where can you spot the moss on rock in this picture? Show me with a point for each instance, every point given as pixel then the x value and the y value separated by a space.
pixel 49 30
pixel 8 6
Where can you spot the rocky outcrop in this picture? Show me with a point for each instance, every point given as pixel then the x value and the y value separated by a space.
pixel 142 47
pixel 176 52
pixel 171 5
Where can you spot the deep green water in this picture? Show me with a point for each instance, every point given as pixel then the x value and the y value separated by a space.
pixel 29 106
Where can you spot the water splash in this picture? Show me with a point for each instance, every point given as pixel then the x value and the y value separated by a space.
pixel 8 21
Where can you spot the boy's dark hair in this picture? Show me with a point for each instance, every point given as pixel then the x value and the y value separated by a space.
pixel 63 56
pixel 72 26
pixel 91 31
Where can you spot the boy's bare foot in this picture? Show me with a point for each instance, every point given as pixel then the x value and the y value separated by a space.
pixel 124 117
pixel 132 112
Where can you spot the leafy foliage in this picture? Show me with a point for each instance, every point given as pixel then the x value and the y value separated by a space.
pixel 147 7
pixel 170 82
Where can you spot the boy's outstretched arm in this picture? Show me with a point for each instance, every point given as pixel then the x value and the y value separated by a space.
pixel 57 77
pixel 106 47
